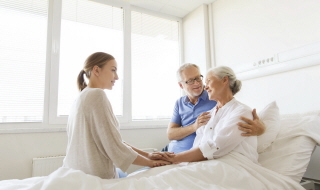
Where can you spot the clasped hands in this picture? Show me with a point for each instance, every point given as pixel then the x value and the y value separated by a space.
pixel 161 158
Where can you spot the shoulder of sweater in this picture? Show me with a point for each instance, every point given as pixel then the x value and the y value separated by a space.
pixel 97 91
pixel 95 94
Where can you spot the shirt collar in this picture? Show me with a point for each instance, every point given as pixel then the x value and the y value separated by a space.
pixel 227 104
pixel 203 96
pixel 186 99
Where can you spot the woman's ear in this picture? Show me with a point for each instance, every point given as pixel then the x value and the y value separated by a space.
pixel 226 80
pixel 96 70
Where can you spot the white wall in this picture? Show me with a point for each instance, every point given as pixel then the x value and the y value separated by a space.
pixel 195 38
pixel 246 31
pixel 17 150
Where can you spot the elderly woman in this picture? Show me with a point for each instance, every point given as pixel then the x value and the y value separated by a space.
pixel 221 135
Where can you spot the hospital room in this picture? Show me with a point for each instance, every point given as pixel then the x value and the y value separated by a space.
pixel 268 50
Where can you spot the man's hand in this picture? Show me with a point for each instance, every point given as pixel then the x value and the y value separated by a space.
pixel 202 120
pixel 160 155
pixel 253 127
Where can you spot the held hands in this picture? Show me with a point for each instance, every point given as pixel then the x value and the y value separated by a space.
pixel 160 155
pixel 253 127
pixel 157 163
pixel 202 120
pixel 172 159
pixel 160 158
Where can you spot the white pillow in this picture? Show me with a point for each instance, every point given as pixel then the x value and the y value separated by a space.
pixel 271 119
pixel 291 151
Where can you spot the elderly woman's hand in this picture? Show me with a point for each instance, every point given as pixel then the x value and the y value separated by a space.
pixel 253 127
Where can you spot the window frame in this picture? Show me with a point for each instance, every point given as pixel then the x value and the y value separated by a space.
pixel 126 119
pixel 129 123
pixel 52 122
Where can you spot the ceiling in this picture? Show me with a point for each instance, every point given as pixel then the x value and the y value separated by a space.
pixel 179 8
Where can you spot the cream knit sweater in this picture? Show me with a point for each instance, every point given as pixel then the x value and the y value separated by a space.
pixel 94 143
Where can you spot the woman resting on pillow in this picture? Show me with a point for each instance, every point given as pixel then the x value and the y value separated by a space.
pixel 221 135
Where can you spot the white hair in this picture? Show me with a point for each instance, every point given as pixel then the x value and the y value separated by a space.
pixel 222 71
pixel 184 67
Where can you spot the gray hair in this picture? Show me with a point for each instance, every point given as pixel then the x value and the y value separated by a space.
pixel 222 71
pixel 184 67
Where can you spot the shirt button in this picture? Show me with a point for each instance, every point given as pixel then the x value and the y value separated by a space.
pixel 217 148
pixel 210 127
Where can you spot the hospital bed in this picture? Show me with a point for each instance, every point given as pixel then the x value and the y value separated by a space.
pixel 284 153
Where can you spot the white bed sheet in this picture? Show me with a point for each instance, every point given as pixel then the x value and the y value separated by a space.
pixel 233 171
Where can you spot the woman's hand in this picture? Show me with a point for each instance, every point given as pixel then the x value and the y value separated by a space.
pixel 173 160
pixel 157 163
pixel 160 155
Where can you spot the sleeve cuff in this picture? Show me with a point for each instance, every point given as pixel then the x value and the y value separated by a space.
pixel 124 165
pixel 208 149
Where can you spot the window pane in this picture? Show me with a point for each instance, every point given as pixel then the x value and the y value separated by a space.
pixel 155 60
pixel 22 59
pixel 88 27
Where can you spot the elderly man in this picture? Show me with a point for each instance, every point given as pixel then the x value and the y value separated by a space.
pixel 191 112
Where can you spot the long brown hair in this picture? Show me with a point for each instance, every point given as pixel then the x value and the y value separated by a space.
pixel 99 59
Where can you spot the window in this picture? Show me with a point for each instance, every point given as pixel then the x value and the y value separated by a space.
pixel 88 27
pixel 44 45
pixel 155 60
pixel 22 60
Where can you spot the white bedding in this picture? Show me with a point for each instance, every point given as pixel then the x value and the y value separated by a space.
pixel 233 171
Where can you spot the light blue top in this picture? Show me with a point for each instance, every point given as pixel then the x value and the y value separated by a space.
pixel 185 114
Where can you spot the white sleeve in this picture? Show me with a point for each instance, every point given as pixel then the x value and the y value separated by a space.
pixel 226 136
